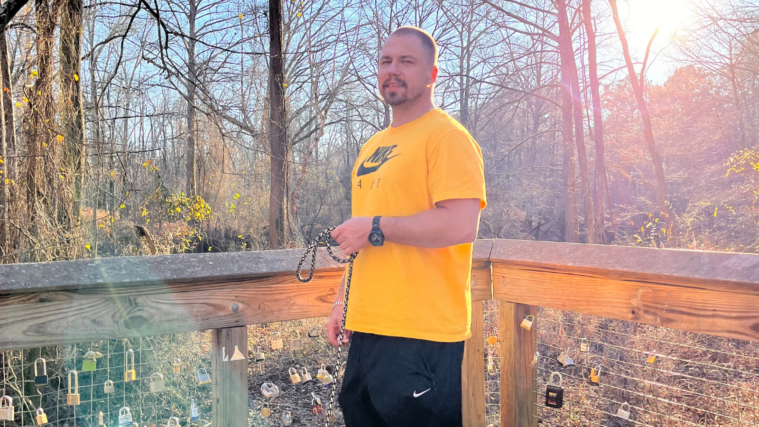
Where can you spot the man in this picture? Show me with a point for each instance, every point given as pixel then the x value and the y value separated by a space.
pixel 418 187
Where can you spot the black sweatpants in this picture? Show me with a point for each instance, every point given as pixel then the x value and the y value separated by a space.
pixel 402 382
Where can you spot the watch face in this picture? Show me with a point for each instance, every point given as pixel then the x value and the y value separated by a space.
pixel 376 239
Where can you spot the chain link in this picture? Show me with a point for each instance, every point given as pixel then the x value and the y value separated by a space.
pixel 323 239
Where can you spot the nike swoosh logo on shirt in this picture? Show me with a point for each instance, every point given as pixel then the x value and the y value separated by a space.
pixel 377 159
pixel 419 394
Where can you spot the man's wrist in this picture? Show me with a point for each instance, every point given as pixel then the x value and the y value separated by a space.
pixel 336 304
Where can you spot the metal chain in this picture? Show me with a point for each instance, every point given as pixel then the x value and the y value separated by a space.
pixel 323 238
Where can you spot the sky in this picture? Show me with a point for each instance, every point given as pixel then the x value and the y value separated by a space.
pixel 640 18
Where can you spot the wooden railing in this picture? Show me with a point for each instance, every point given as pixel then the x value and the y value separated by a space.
pixel 112 298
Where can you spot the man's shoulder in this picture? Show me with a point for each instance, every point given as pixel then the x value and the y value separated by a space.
pixel 445 125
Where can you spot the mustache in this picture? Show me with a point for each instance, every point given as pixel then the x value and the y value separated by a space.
pixel 394 80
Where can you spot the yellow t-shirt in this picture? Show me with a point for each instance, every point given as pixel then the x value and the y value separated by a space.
pixel 407 291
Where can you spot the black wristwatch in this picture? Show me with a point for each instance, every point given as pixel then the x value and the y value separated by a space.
pixel 376 238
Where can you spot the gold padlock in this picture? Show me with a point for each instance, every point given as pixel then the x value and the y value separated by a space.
pixel 651 357
pixel 265 410
pixel 276 341
pixel 294 377
pixel 130 374
pixel 527 322
pixel 6 408
pixel 72 398
pixel 324 376
pixel 584 345
pixel 595 375
pixel 491 365
pixel 176 366
pixel 100 419
pixel 41 417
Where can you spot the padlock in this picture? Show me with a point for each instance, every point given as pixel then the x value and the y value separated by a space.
pixel 276 341
pixel 269 390
pixel 100 419
pixel 130 374
pixel 651 357
pixel 172 422
pixel 595 375
pixel 527 323
pixel 157 384
pixel 108 387
pixel 584 345
pixel 535 359
pixel 622 413
pixel 324 376
pixel 125 417
pixel 294 376
pixel 316 404
pixel 305 376
pixel 72 398
pixel 554 394
pixel 41 417
pixel 203 377
pixel 194 414
pixel 176 366
pixel 6 408
pixel 565 360
pixel 40 378
pixel 265 410
pixel 491 365
pixel 89 364
pixel 314 332
pixel 296 343
pixel 260 356
pixel 287 418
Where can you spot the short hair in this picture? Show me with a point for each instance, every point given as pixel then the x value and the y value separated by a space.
pixel 428 42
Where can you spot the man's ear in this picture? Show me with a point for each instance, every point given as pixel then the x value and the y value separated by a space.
pixel 433 77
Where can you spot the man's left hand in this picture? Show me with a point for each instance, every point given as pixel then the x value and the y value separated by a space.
pixel 353 234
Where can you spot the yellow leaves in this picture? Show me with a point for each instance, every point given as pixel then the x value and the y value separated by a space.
pixel 240 17
pixel 239 236
pixel 26 99
pixel 285 85
pixel 87 246
pixel 59 138
pixel 237 195
pixel 18 104
pixel 34 73
pixel 121 206
pixel 144 165
pixel 179 210
pixel 76 77
pixel 101 226
pixel 715 212
pixel 298 14
pixel 113 173
pixel 1 160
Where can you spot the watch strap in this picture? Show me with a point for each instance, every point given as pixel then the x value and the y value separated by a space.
pixel 376 223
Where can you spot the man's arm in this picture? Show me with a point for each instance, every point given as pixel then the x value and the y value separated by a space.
pixel 450 222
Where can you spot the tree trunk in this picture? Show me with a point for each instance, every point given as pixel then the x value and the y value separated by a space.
pixel 572 232
pixel 579 130
pixel 10 161
pixel 661 184
pixel 73 113
pixel 192 81
pixel 599 176
pixel 280 150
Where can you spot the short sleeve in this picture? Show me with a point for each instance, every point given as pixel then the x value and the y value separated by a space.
pixel 456 169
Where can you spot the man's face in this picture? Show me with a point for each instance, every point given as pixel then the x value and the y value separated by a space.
pixel 404 70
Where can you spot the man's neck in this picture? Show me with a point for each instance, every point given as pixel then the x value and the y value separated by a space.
pixel 403 113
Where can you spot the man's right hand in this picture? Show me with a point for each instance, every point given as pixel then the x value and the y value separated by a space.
pixel 333 326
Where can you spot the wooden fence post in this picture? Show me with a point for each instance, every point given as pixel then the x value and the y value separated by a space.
pixel 230 379
pixel 473 373
pixel 518 399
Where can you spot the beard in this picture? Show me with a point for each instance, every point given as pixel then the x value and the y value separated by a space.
pixel 400 94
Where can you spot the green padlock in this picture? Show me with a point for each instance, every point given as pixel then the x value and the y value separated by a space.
pixel 90 362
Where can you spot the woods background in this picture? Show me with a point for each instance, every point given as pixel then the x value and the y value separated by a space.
pixel 166 126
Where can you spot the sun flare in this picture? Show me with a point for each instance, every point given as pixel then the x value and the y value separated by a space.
pixel 642 17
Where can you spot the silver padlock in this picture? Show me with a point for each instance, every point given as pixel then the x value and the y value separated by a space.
pixel 584 345
pixel 260 356
pixel 172 422
pixel 294 376
pixel 6 408
pixel 324 376
pixel 40 377
pixel 125 416
pixel 72 398
pixel 622 413
pixel 108 387
pixel 314 332
pixel 287 418
pixel 203 377
pixel 527 322
pixel 269 390
pixel 194 414
pixel 565 360
pixel 491 365
pixel 296 343
pixel 305 375
pixel 157 384
pixel 101 422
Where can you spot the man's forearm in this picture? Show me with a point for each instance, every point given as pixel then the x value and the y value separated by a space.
pixel 341 291
pixel 439 227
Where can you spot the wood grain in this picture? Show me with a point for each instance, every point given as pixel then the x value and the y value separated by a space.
pixel 229 400
pixel 695 309
pixel 481 283
pixel 473 372
pixel 517 396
